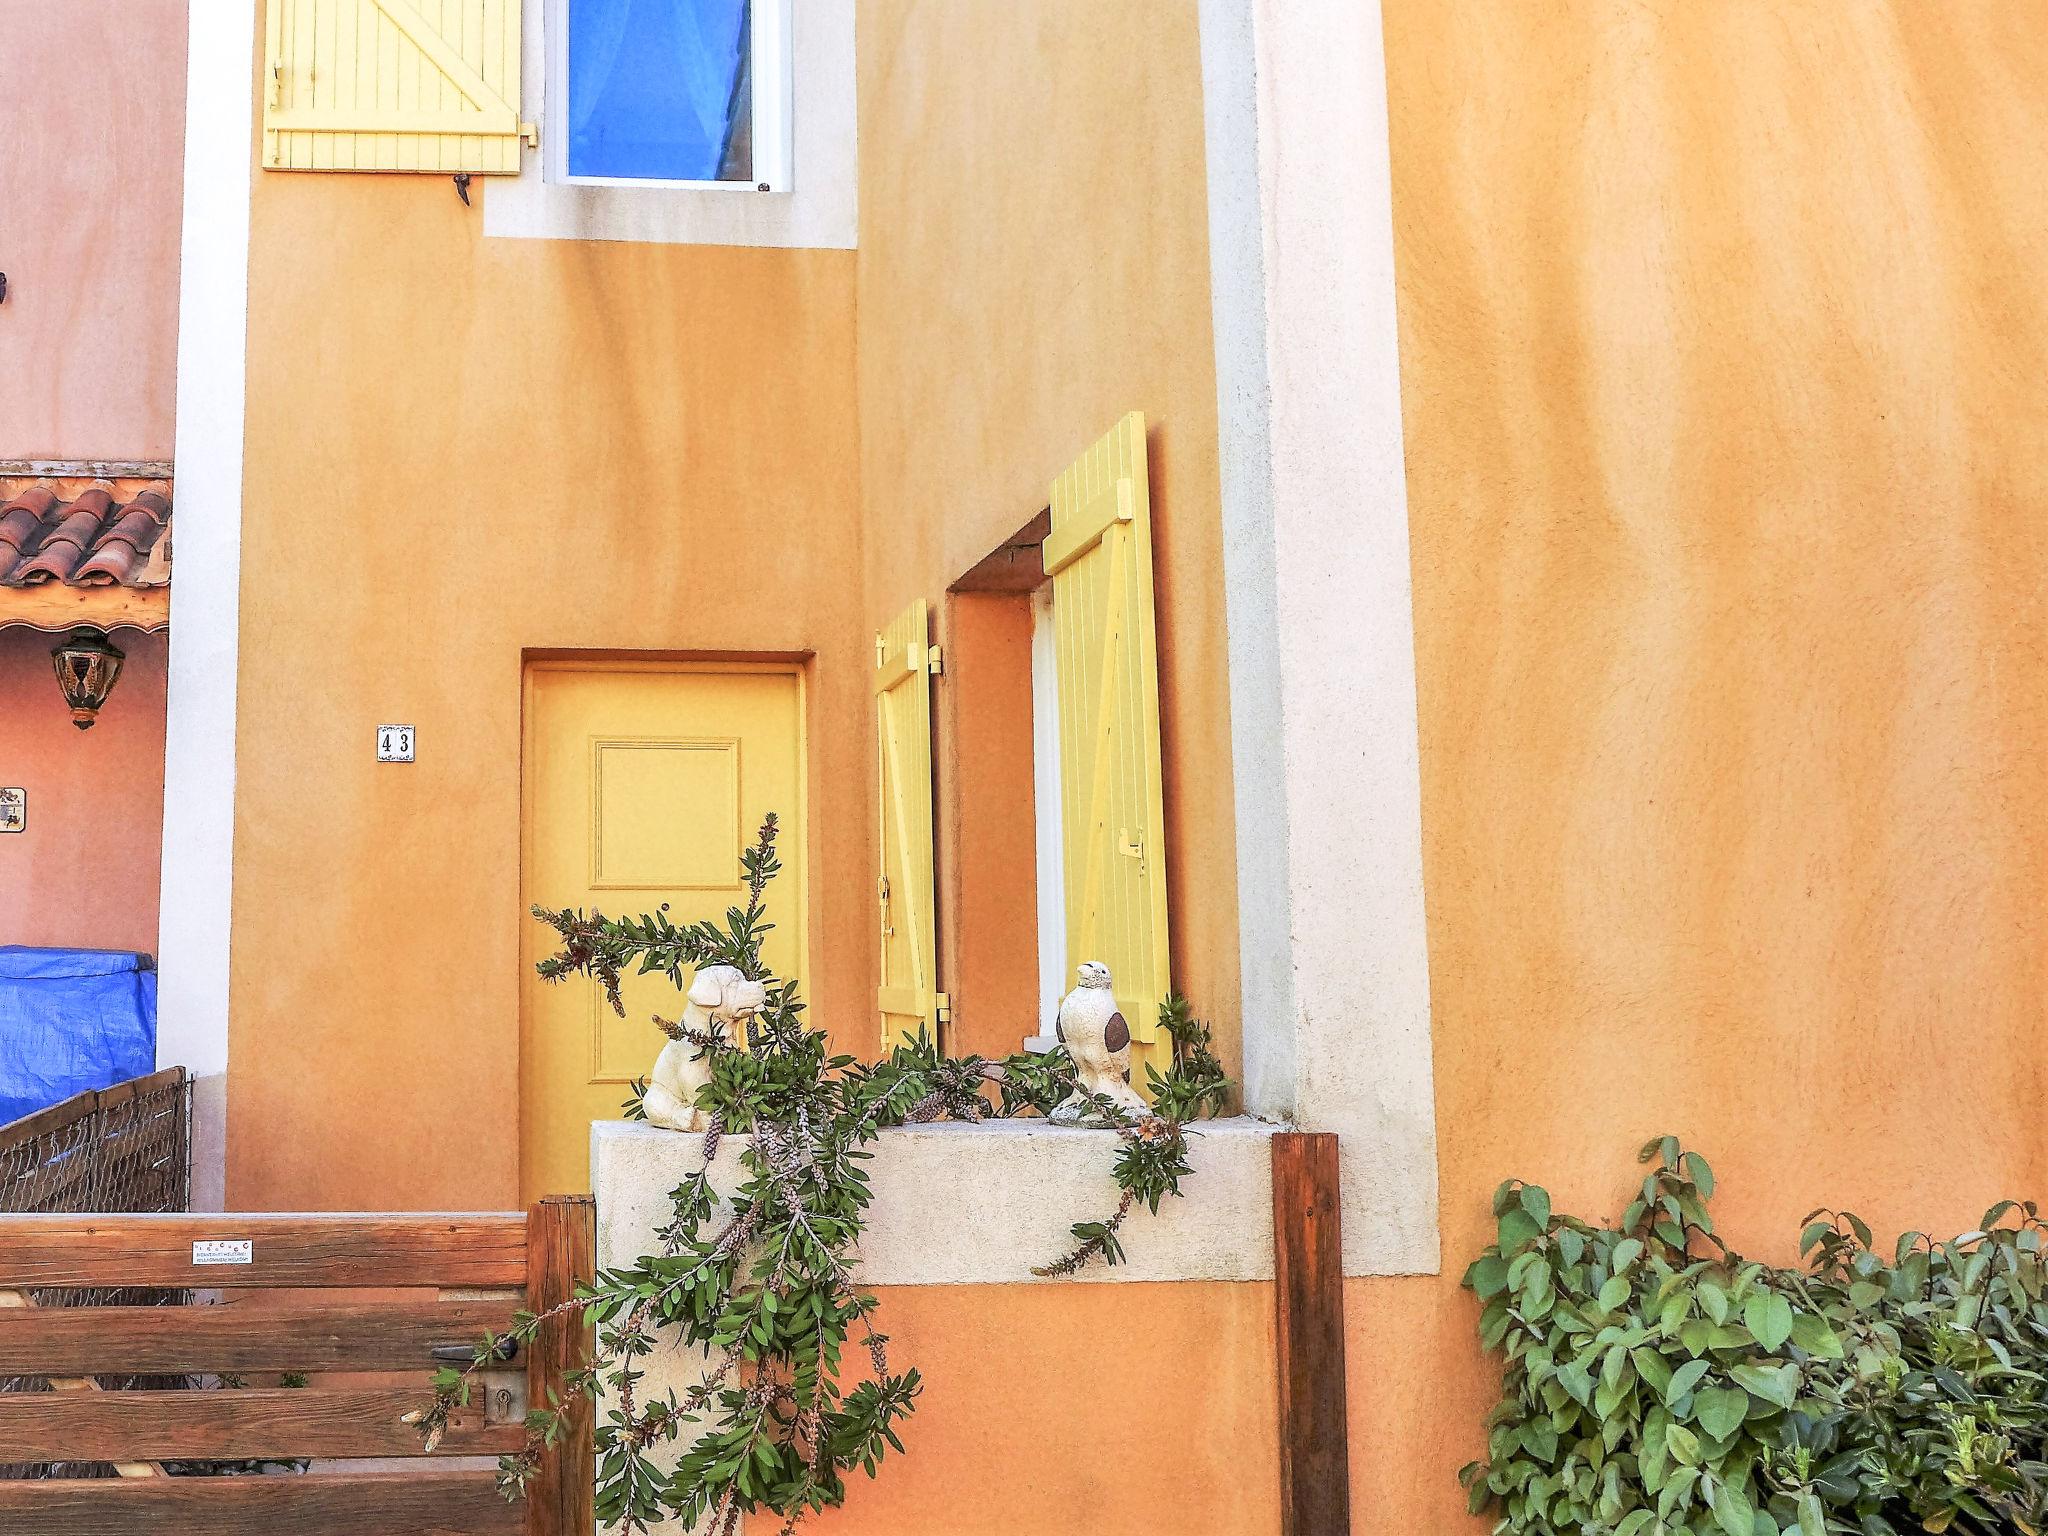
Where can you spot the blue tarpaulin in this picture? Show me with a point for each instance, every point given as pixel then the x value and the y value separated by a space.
pixel 72 1019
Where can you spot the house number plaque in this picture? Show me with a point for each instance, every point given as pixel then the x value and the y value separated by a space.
pixel 394 743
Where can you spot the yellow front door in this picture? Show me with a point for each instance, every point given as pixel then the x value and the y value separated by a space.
pixel 643 783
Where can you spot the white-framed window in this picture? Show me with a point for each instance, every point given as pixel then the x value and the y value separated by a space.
pixel 1053 980
pixel 693 94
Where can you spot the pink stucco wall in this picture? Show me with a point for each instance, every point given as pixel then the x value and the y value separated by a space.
pixel 89 208
pixel 84 873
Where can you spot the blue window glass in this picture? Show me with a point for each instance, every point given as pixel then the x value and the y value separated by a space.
pixel 660 89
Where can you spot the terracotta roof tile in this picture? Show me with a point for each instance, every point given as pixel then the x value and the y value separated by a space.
pixel 98 533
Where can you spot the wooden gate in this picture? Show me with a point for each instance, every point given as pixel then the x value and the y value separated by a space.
pixel 466 1276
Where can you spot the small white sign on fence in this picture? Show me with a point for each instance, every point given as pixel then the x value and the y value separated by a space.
pixel 224 1251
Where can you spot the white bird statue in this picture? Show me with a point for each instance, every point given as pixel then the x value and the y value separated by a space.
pixel 1099 1040
pixel 719 999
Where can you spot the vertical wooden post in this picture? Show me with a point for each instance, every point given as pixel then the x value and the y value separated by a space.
pixel 1308 1274
pixel 561 1253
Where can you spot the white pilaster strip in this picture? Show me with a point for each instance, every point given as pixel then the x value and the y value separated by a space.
pixel 1322 643
pixel 199 749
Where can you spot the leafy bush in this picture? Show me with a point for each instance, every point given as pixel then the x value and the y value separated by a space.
pixel 1656 1382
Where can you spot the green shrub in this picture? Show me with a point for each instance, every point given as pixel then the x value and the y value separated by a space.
pixel 1656 1382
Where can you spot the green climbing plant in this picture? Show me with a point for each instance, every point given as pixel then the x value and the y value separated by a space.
pixel 802 1388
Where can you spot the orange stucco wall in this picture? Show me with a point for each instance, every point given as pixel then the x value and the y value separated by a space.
pixel 1723 334
pixel 1721 346
pixel 460 450
pixel 1034 263
pixel 84 872
pixel 1027 1428
pixel 90 185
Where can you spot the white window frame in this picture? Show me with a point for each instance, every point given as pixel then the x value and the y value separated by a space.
pixel 1050 830
pixel 773 91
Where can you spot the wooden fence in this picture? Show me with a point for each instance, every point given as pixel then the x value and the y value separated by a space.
pixel 466 1276
pixel 124 1148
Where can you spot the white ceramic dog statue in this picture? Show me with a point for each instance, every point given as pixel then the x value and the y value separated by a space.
pixel 718 1004
pixel 1099 1040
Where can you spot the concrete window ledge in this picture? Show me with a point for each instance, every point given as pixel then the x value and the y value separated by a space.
pixel 958 1204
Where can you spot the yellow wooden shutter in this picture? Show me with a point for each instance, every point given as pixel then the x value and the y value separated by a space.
pixel 1099 557
pixel 392 85
pixel 904 664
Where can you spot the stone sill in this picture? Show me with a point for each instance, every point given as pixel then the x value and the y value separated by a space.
pixel 958 1204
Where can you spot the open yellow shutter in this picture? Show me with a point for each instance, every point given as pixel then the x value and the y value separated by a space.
pixel 392 85
pixel 904 663
pixel 1099 556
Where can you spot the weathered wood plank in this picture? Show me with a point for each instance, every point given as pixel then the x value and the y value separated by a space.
pixel 89 469
pixel 52 1117
pixel 295 1336
pixel 53 606
pixel 22 1304
pixel 1308 1274
pixel 235 1425
pixel 430 1503
pixel 141 1087
pixel 452 1250
pixel 561 1254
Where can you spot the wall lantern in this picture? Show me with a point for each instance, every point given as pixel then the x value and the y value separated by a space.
pixel 87 665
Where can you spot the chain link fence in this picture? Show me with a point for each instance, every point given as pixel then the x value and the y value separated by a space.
pixel 120 1149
